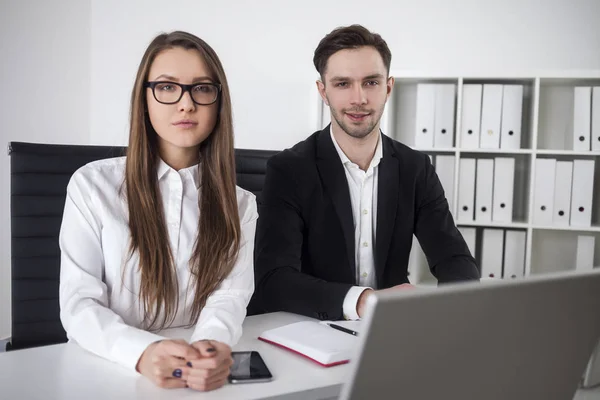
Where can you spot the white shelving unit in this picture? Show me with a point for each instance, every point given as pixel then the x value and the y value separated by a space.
pixel 546 132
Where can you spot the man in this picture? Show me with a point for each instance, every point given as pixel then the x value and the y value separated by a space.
pixel 338 211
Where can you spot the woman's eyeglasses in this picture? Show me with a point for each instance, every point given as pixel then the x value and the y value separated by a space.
pixel 203 94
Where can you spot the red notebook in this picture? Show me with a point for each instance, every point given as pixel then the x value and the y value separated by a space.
pixel 316 341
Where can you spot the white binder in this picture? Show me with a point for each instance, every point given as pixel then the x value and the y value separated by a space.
pixel 444 115
pixel 596 118
pixel 418 266
pixel 584 258
pixel 425 117
pixel 514 254
pixel 470 236
pixel 504 178
pixel 582 107
pixel 484 190
pixel 491 253
pixel 471 116
pixel 583 189
pixel 444 166
pixel 543 196
pixel 491 110
pixel 562 193
pixel 466 190
pixel 512 111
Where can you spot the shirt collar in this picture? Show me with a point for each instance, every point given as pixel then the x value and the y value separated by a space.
pixel 345 160
pixel 193 171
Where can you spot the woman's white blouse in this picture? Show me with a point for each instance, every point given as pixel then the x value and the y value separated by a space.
pixel 99 306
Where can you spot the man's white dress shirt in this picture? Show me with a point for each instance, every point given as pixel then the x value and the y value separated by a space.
pixel 363 187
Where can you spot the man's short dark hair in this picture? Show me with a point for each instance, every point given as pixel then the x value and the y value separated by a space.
pixel 349 37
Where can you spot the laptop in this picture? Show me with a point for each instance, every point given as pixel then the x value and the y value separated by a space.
pixel 516 339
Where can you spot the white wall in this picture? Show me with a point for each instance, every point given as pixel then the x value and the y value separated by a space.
pixel 44 93
pixel 266 48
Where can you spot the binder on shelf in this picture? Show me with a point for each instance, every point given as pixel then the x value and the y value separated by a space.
pixel 562 193
pixel 582 118
pixel 491 110
pixel 582 192
pixel 514 254
pixel 417 262
pixel 543 193
pixel 504 179
pixel 444 166
pixel 470 237
pixel 492 248
pixel 484 190
pixel 512 113
pixel 425 116
pixel 596 118
pixel 471 116
pixel 466 190
pixel 444 115
pixel 584 257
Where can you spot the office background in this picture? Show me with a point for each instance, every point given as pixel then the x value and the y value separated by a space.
pixel 68 65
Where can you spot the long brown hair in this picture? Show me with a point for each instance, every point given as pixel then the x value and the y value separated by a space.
pixel 217 245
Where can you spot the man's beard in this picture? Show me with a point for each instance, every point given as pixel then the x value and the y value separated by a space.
pixel 358 131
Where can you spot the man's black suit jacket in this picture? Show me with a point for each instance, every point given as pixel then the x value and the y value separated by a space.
pixel 304 253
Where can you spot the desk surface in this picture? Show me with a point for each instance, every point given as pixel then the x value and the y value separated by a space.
pixel 68 372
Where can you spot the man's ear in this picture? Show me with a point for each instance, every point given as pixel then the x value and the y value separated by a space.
pixel 390 86
pixel 321 89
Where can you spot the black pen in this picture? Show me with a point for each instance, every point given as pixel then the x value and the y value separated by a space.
pixel 341 328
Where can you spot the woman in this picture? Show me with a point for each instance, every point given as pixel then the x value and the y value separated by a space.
pixel 163 237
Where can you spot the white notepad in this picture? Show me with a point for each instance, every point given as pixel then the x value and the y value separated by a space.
pixel 316 341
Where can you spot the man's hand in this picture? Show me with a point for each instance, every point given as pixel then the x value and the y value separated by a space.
pixel 362 300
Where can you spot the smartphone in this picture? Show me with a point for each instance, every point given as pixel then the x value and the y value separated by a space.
pixel 248 367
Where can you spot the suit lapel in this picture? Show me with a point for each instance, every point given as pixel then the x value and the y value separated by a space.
pixel 387 204
pixel 334 179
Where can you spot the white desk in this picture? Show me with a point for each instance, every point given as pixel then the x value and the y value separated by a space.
pixel 68 372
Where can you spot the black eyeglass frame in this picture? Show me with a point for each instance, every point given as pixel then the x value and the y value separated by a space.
pixel 184 89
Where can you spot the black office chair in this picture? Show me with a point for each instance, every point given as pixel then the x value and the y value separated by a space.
pixel 39 177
